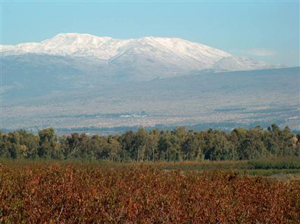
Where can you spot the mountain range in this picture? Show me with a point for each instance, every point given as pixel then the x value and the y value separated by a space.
pixel 132 59
pixel 81 80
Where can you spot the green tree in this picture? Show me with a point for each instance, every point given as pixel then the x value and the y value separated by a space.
pixel 48 144
pixel 191 148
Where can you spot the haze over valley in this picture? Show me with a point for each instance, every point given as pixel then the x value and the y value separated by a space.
pixel 80 81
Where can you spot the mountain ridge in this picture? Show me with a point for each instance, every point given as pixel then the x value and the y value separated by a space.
pixel 259 96
pixel 165 55
pixel 75 81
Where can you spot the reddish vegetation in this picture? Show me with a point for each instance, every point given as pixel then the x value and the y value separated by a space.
pixel 86 194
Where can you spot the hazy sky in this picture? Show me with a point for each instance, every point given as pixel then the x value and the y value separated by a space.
pixel 264 30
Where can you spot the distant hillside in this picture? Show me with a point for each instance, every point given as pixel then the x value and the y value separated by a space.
pixel 207 97
pixel 70 61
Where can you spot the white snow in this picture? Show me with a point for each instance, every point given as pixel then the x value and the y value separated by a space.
pixel 183 54
pixel 105 47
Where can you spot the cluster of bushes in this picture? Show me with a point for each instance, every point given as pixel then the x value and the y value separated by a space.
pixel 278 163
pixel 55 193
pixel 177 145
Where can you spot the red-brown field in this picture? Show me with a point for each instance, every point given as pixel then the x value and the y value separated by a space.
pixel 54 193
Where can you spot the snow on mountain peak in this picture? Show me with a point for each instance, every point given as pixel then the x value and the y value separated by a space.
pixel 76 38
pixel 103 48
pixel 174 54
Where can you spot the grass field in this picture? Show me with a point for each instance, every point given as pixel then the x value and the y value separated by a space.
pixel 189 192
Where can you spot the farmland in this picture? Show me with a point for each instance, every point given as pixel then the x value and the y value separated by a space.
pixel 107 192
pixel 179 176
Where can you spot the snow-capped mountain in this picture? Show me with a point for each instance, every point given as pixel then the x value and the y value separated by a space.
pixel 80 80
pixel 106 48
pixel 141 59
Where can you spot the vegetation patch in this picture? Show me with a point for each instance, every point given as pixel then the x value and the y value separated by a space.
pixel 177 145
pixel 62 193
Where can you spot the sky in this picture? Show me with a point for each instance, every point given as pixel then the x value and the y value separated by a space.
pixel 264 30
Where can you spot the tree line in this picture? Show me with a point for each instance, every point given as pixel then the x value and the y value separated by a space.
pixel 176 145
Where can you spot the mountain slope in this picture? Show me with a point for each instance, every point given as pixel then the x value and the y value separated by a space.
pixel 128 60
pixel 105 48
pixel 248 97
